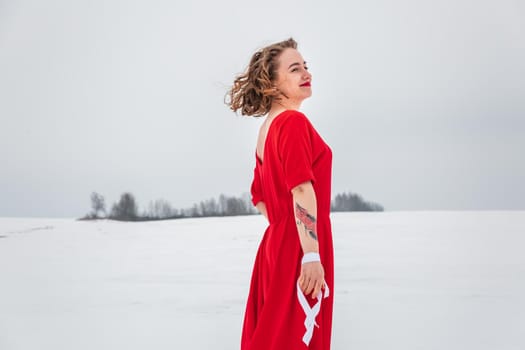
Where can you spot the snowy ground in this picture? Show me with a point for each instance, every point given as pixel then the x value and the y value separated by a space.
pixel 404 280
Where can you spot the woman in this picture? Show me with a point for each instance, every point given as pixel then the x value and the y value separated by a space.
pixel 290 302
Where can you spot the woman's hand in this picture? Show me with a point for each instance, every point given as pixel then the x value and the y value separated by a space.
pixel 311 279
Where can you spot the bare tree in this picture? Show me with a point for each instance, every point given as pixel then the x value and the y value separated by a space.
pixel 160 209
pixel 98 204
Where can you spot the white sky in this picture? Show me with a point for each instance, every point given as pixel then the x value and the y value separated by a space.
pixel 422 102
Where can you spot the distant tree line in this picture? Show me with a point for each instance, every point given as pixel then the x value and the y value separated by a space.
pixel 353 202
pixel 126 208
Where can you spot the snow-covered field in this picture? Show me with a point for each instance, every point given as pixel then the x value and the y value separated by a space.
pixel 404 280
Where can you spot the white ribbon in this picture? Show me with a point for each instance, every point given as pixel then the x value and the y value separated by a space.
pixel 311 312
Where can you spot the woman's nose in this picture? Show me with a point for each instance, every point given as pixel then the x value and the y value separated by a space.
pixel 307 75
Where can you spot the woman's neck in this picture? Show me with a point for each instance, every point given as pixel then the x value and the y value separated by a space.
pixel 279 106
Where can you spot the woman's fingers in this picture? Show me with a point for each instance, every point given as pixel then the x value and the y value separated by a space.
pixel 306 284
pixel 309 286
pixel 317 289
pixel 303 282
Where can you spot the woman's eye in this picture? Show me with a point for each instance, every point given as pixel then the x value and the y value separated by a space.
pixel 297 68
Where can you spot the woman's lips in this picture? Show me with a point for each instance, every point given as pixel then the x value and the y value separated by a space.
pixel 306 84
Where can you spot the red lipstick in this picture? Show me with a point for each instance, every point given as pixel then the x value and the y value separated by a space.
pixel 306 84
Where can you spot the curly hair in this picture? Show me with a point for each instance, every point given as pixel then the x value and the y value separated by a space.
pixel 253 92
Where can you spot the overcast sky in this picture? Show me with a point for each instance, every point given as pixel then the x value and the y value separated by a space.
pixel 422 102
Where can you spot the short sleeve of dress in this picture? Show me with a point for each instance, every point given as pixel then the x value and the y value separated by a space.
pixel 256 189
pixel 295 150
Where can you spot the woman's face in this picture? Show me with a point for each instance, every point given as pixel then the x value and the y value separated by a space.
pixel 293 79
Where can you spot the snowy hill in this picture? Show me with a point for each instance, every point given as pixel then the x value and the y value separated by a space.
pixel 404 280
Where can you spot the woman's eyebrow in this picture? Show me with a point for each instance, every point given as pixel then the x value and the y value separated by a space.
pixel 296 64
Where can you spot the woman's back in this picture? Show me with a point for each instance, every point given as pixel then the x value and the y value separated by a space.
pixel 293 153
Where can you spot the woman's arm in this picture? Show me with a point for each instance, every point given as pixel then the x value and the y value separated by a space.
pixel 262 208
pixel 305 209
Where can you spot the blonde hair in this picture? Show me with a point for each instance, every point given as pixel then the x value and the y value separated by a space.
pixel 253 92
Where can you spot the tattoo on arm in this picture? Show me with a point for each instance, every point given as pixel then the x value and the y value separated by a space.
pixel 308 220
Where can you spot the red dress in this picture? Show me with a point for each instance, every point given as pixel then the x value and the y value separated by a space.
pixel 275 318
